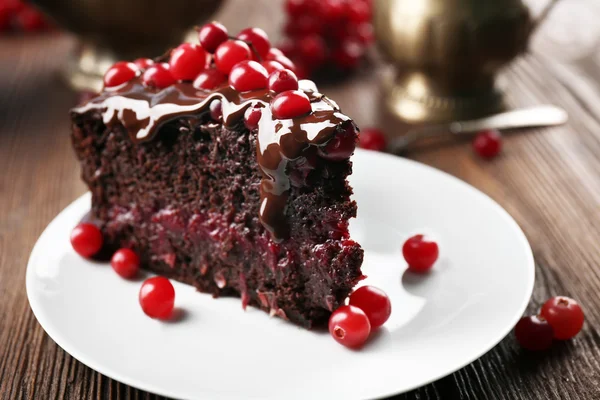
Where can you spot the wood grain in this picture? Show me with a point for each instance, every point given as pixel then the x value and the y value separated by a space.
pixel 548 179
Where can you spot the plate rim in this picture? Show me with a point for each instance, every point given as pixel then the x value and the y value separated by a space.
pixel 149 387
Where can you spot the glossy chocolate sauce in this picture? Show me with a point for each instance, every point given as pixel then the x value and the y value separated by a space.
pixel 143 111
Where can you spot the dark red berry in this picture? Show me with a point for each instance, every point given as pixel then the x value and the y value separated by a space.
pixel 216 110
pixel 143 63
pixel 333 10
pixel 187 61
pixel 348 55
pixel 86 239
pixel 302 72
pixel 271 66
pixel 210 79
pixel 305 25
pixel 312 51
pixel 341 146
pixel 158 76
pixel 283 80
pixel 212 35
pixel 420 253
pixel 358 12
pixel 252 117
pixel 534 333
pixel 374 302
pixel 372 139
pixel 297 7
pixel 349 326
pixel 120 73
pixel 488 143
pixel 157 297
pixel 277 55
pixel 230 53
pixel 287 47
pixel 126 263
pixel 291 104
pixel 564 315
pixel 248 75
pixel 30 20
pixel 259 40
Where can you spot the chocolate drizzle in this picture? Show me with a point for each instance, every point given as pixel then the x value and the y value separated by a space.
pixel 143 111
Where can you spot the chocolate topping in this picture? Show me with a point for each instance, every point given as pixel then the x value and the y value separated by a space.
pixel 142 111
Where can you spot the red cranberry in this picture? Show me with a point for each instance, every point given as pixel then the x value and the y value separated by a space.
pixel 216 110
pixel 374 302
pixel 333 10
pixel 248 75
pixel 158 76
pixel 283 80
pixel 143 63
pixel 372 139
pixel 258 38
pixel 302 72
pixel 359 12
pixel 349 326
pixel 187 61
pixel 348 55
pixel 210 79
pixel 120 73
pixel 212 35
pixel 296 8
pixel 126 263
pixel 252 117
pixel 534 333
pixel 86 239
pixel 272 66
pixel 277 55
pixel 291 104
pixel 157 297
pixel 488 143
pixel 229 53
pixel 341 146
pixel 420 253
pixel 304 26
pixel 312 51
pixel 564 315
pixel 287 47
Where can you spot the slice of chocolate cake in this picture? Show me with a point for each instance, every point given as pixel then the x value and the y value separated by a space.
pixel 211 189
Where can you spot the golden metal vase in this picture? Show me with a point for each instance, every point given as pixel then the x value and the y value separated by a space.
pixel 447 53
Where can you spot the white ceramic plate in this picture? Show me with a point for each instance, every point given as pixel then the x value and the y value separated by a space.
pixel 440 322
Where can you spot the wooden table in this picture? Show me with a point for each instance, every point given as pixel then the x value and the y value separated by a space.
pixel 548 179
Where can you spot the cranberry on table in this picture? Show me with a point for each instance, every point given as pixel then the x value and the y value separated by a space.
pixel 534 333
pixel 252 117
pixel 86 239
pixel 120 73
pixel 420 253
pixel 210 79
pixel 349 326
pixel 143 63
pixel 488 143
pixel 126 263
pixel 157 297
pixel 312 50
pixel 374 302
pixel 248 75
pixel 291 104
pixel 372 139
pixel 333 10
pixel 259 40
pixel 187 61
pixel 564 315
pixel 283 80
pixel 212 35
pixel 230 53
pixel 158 76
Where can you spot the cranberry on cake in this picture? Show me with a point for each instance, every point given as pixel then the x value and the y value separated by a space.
pixel 221 170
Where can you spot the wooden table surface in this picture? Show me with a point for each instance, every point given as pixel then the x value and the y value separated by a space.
pixel 547 179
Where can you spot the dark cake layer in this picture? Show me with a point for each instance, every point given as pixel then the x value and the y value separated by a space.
pixel 189 200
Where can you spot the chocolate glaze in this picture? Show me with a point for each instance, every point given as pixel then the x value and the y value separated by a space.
pixel 142 111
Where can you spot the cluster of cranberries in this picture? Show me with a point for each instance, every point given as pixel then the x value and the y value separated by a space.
pixel 325 33
pixel 368 309
pixel 16 15
pixel 157 295
pixel 561 318
pixel 246 62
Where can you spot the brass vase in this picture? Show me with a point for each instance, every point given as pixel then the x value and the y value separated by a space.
pixel 112 30
pixel 447 53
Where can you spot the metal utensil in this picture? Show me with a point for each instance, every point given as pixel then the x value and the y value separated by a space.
pixel 545 115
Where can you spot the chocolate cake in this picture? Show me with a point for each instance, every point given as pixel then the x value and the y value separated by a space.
pixel 260 213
